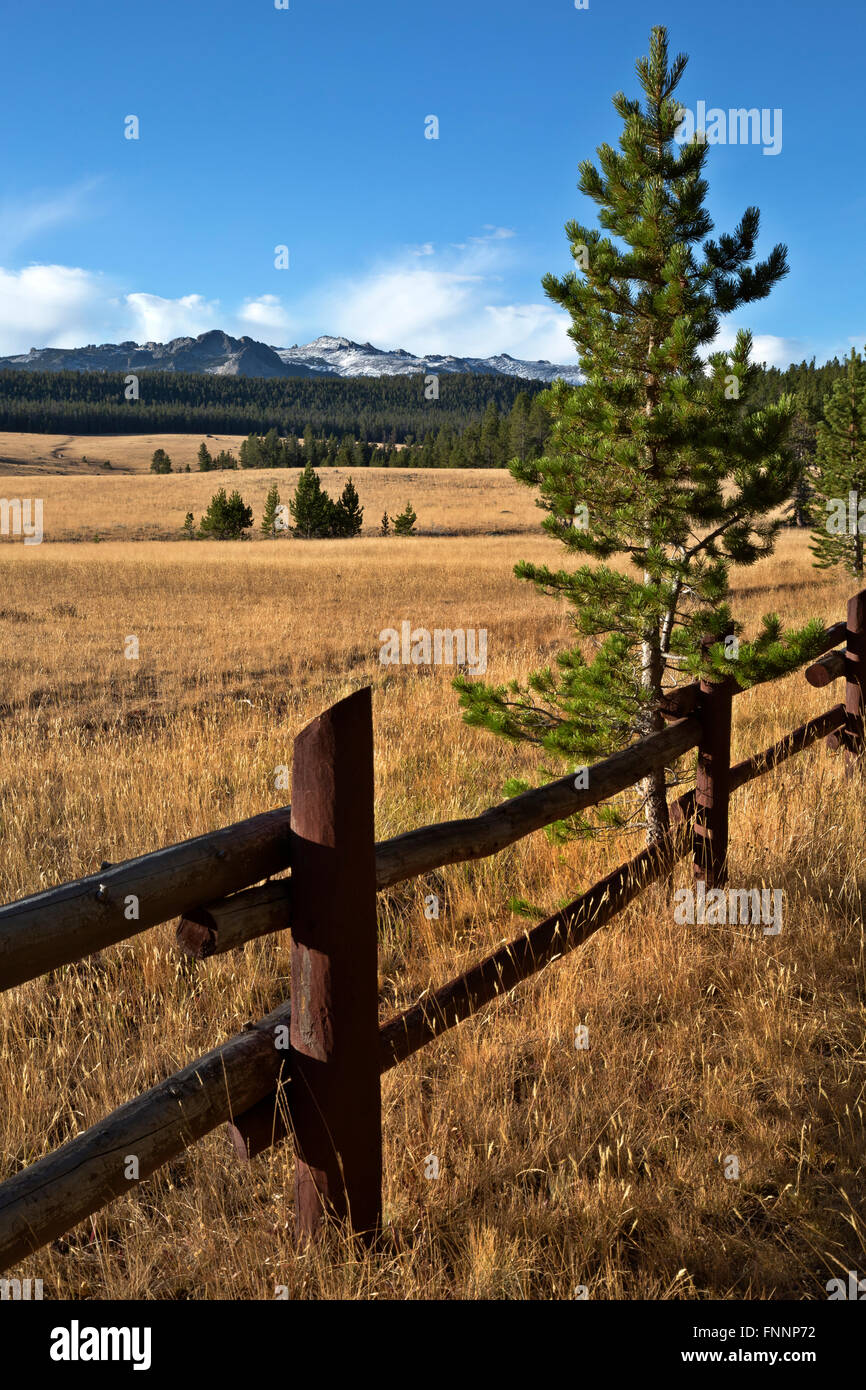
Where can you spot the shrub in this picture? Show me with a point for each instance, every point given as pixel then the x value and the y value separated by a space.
pixel 226 519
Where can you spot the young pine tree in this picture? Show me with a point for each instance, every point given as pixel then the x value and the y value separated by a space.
pixel 404 524
pixel 226 518
pixel 385 527
pixel 272 519
pixel 840 482
pixel 160 463
pixel 348 512
pixel 205 460
pixel 251 452
pixel 311 508
pixel 652 462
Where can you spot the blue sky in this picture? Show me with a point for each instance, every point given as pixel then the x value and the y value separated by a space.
pixel 305 127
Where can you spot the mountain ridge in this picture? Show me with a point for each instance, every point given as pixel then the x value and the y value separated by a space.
pixel 216 353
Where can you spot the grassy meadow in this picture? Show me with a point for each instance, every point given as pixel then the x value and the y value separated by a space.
pixel 558 1167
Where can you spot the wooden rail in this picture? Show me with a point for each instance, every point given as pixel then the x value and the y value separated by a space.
pixel 65 924
pixel 315 1069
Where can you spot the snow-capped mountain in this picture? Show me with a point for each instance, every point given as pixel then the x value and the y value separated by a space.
pixel 341 357
pixel 219 354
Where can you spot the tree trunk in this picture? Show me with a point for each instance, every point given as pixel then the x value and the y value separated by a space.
pixel 654 787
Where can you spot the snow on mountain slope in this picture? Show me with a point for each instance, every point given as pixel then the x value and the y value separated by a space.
pixel 340 357
pixel 219 354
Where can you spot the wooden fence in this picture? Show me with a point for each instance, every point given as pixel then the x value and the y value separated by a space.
pixel 312 1068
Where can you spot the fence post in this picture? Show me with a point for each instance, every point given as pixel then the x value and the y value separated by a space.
pixel 334 1060
pixel 855 680
pixel 712 787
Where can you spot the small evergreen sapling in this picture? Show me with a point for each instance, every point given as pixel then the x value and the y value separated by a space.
pixel 840 482
pixel 205 460
pixel 404 524
pixel 226 518
pixel 311 507
pixel 272 519
pixel 348 512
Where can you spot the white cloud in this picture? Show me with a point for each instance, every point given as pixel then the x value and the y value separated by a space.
pixel 24 218
pixel 406 306
pixel 52 306
pixel 766 347
pixel 158 320
pixel 265 313
pixel 535 332
pixel 494 233
pixel 448 304
pixel 66 306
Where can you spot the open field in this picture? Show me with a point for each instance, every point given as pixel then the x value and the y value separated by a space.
pixel 86 454
pixel 558 1167
pixel 82 454
pixel 147 506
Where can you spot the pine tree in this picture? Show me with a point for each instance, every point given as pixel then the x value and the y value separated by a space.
pixel 385 528
pixel 272 522
pixel 803 442
pixel 489 438
pixel 311 508
pixel 205 461
pixel 189 526
pixel 518 428
pixel 226 519
pixel 271 449
pixel 160 463
pixel 404 524
pixel 652 459
pixel 348 513
pixel 310 452
pixel 840 482
pixel 251 452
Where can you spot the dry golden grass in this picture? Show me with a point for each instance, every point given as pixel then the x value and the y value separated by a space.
pixel 87 453
pixel 82 454
pixel 475 501
pixel 558 1167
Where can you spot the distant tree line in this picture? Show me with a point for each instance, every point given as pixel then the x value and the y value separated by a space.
pixel 490 442
pixel 385 410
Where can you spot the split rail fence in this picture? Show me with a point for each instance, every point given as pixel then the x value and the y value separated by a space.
pixel 311 1069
